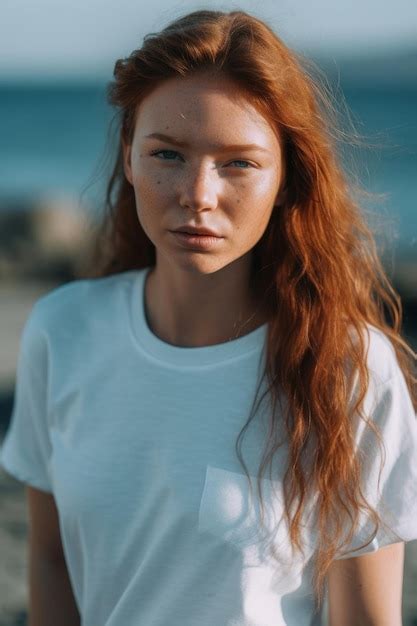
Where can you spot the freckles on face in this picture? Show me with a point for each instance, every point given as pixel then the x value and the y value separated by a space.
pixel 199 180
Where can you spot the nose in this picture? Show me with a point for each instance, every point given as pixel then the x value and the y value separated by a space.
pixel 198 187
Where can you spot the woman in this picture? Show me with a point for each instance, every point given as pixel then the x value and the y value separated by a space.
pixel 237 299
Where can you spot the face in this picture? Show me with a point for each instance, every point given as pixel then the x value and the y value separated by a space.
pixel 202 155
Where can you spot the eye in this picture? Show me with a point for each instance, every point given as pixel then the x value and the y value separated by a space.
pixel 239 161
pixel 247 164
pixel 156 152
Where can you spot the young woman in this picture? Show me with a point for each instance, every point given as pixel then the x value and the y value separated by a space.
pixel 234 324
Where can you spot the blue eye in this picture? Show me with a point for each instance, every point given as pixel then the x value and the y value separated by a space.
pixel 175 153
pixel 155 152
pixel 246 162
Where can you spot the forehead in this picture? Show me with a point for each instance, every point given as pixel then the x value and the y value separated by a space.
pixel 203 103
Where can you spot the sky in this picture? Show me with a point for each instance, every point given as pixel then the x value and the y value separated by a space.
pixel 53 38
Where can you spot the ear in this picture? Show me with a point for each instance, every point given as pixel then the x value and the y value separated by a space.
pixel 127 157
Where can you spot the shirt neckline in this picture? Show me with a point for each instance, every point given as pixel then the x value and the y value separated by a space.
pixel 195 357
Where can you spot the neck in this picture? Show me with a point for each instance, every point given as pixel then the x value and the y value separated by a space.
pixel 200 310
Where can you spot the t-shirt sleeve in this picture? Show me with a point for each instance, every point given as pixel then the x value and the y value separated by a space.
pixel 388 405
pixel 26 449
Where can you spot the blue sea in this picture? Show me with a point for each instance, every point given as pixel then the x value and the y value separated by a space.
pixel 54 140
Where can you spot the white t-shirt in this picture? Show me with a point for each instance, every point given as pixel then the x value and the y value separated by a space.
pixel 135 438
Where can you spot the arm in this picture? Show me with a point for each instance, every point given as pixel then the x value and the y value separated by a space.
pixel 51 600
pixel 367 590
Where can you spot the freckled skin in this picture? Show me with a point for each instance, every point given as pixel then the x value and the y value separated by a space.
pixel 201 180
pixel 232 193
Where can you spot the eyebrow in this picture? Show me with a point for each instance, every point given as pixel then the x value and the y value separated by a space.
pixel 220 148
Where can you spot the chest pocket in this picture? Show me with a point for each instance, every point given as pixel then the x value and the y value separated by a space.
pixel 229 511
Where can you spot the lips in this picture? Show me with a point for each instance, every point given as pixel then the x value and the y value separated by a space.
pixel 195 230
pixel 206 233
pixel 196 242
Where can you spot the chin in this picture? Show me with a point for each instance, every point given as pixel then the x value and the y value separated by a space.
pixel 196 262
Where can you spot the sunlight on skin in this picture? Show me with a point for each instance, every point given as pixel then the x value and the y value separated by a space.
pixel 199 176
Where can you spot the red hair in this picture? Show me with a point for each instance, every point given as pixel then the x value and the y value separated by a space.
pixel 316 267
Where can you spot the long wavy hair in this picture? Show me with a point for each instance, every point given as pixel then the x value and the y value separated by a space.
pixel 316 267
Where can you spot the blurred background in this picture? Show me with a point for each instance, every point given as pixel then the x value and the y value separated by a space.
pixel 56 152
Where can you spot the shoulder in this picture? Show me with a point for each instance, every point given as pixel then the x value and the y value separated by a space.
pixel 76 298
pixel 381 359
pixel 387 393
pixel 387 399
pixel 74 307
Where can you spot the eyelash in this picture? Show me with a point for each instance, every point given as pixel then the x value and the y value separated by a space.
pixel 155 152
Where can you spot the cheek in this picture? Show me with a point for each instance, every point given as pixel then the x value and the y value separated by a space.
pixel 264 191
pixel 149 190
pixel 146 199
pixel 254 203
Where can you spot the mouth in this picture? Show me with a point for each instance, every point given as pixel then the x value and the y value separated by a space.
pixel 198 234
pixel 196 240
pixel 190 229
